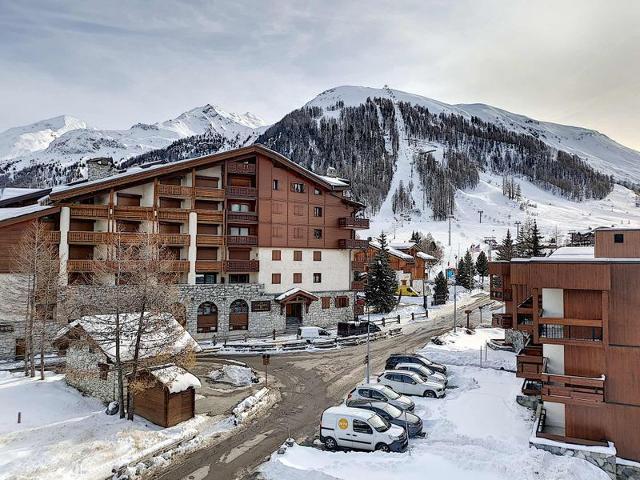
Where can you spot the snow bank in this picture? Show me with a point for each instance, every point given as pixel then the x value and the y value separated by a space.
pixel 248 403
pixel 234 374
pixel 176 379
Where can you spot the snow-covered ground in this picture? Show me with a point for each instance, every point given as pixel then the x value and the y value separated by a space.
pixel 477 431
pixel 65 435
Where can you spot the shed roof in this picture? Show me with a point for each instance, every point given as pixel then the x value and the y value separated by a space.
pixel 176 379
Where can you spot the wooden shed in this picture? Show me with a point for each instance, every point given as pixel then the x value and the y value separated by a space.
pixel 170 398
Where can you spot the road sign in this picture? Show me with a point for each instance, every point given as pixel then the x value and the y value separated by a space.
pixel 265 358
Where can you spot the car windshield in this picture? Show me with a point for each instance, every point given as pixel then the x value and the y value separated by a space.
pixel 425 359
pixel 389 393
pixel 395 412
pixel 379 423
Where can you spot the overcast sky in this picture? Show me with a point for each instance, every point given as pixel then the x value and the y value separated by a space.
pixel 116 63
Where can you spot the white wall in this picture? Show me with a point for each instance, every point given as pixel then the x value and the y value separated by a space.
pixel 555 414
pixel 555 358
pixel 553 302
pixel 335 269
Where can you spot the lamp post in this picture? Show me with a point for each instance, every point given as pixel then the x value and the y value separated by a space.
pixel 455 298
pixel 367 371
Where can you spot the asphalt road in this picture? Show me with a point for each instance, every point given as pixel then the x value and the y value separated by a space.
pixel 309 383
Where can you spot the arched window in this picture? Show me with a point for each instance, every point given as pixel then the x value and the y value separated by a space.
pixel 239 315
pixel 207 317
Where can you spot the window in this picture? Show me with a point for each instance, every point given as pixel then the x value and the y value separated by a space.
pixel 277 208
pixel 362 427
pixel 104 371
pixel 276 255
pixel 297 278
pixel 317 191
pixel 298 233
pixel 618 238
pixel 317 211
pixel 378 396
pixel 317 256
pixel 277 231
pixel 207 320
pixel 238 315
pixel 342 302
pixel 276 184
pixel 317 233
pixel 206 278
pixel 364 392
pixel 239 207
pixel 297 255
pixel 297 187
pixel 317 278
pixel 239 278
pixel 298 210
pixel 326 302
pixel 276 278
pixel 239 231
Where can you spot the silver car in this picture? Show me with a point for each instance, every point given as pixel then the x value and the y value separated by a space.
pixel 424 372
pixel 381 393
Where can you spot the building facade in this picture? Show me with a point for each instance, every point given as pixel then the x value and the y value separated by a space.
pixel 244 227
pixel 573 318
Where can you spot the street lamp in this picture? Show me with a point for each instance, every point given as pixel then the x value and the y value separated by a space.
pixel 367 371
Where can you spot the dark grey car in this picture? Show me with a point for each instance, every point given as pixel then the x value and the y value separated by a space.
pixel 407 420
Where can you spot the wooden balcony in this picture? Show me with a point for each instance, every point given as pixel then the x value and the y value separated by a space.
pixel 81 265
pixel 209 193
pixel 242 217
pixel 93 265
pixel 175 191
pixel 176 266
pixel 358 266
pixel 87 238
pixel 52 236
pixel 174 239
pixel 351 243
pixel 173 215
pixel 210 216
pixel 355 223
pixel 588 333
pixel 241 266
pixel 89 211
pixel 500 294
pixel 557 434
pixel 241 192
pixel 357 286
pixel 209 240
pixel 233 240
pixel 572 389
pixel 530 366
pixel 133 213
pixel 239 168
pixel 502 320
pixel 208 266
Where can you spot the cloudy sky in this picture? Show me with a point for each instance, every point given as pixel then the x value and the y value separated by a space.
pixel 115 63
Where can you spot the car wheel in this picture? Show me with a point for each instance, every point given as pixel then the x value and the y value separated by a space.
pixel 382 447
pixel 330 443
pixel 429 394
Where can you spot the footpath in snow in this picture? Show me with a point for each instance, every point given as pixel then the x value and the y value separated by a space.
pixel 477 432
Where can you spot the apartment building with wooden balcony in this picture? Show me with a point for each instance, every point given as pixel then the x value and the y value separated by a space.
pixel 243 227
pixel 573 317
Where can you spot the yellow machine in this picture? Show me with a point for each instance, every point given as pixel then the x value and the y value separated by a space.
pixel 407 291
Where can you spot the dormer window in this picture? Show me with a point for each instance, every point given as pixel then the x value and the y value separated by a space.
pixel 618 238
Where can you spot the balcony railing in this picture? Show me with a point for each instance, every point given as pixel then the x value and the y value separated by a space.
pixel 208 266
pixel 572 389
pixel 173 214
pixel 241 192
pixel 81 265
pixel 357 286
pixel 209 240
pixel 212 216
pixel 178 191
pixel 500 294
pixel 351 243
pixel 352 222
pixel 91 238
pixel 242 217
pixel 242 240
pixel 133 212
pixel 358 266
pixel 241 266
pixel 210 193
pixel 52 236
pixel 93 265
pixel 241 168
pixel 90 211
pixel 174 239
pixel 569 334
pixel 530 366
pixel 502 320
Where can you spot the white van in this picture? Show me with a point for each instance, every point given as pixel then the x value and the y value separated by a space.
pixel 360 429
pixel 311 333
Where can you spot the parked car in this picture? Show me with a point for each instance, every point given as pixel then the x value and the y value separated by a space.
pixel 409 383
pixel 360 429
pixel 424 372
pixel 376 391
pixel 347 329
pixel 396 358
pixel 311 333
pixel 407 420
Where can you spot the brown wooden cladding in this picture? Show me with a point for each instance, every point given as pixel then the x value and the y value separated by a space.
pixel 606 247
pixel 163 408
pixel 624 301
pixel 581 276
pixel 10 238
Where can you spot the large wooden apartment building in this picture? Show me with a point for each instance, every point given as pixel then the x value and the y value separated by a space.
pixel 573 316
pixel 259 242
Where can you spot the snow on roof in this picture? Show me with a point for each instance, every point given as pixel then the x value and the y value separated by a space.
pixel 11 192
pixel 425 256
pixel 574 252
pixel 350 411
pixel 175 378
pixel 401 245
pixel 14 212
pixel 293 291
pixel 165 337
pixel 335 181
pixel 392 251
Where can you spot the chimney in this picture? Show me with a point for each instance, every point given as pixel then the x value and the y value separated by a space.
pixel 332 172
pixel 98 168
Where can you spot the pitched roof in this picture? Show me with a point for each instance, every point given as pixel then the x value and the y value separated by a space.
pixel 392 251
pixel 19 214
pixel 174 378
pixel 293 292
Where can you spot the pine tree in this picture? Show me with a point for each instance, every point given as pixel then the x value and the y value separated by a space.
pixel 536 241
pixel 381 280
pixel 506 248
pixel 470 271
pixel 461 273
pixel 482 266
pixel 440 290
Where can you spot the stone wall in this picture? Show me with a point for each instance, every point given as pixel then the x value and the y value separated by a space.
pixel 83 373
pixel 606 462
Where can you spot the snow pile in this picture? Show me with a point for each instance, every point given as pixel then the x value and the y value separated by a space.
pixel 477 431
pixel 461 348
pixel 176 379
pixel 234 374
pixel 242 409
